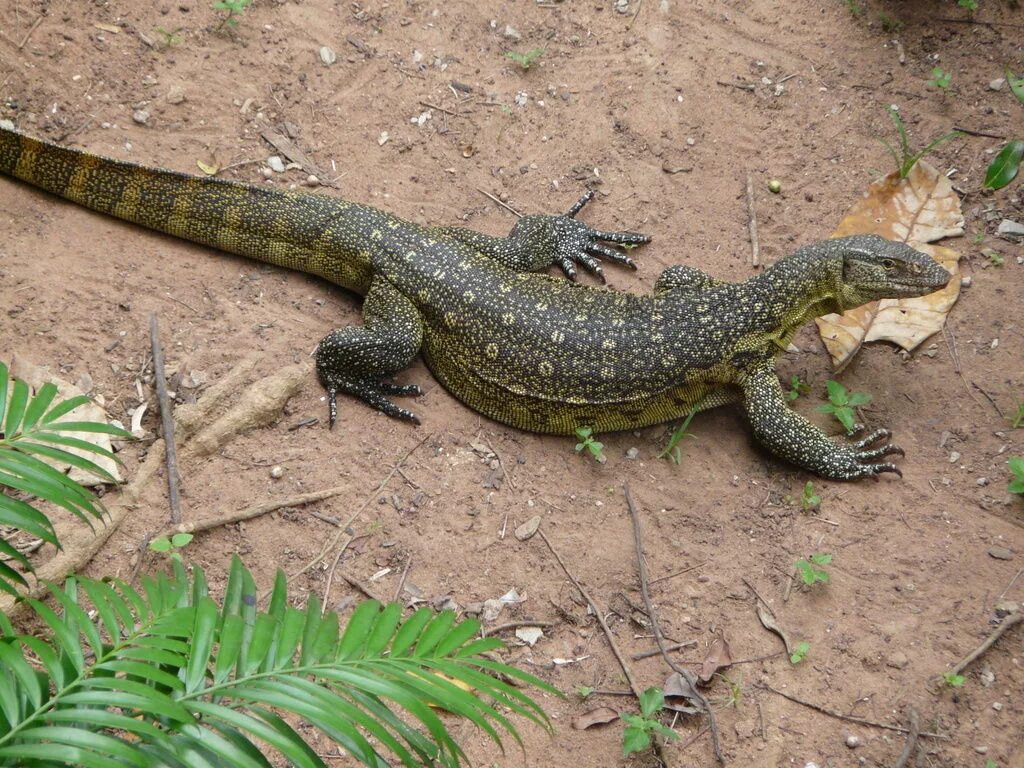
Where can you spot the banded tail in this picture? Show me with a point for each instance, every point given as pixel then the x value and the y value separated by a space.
pixel 297 231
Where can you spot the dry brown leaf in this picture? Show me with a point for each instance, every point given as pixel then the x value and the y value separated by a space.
pixel 598 716
pixel 917 210
pixel 719 656
pixel 768 620
pixel 681 696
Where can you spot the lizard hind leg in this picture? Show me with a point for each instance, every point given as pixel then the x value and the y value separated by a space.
pixel 358 360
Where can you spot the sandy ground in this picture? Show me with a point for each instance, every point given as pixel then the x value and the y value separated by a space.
pixel 664 110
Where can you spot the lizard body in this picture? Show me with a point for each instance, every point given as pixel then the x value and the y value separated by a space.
pixel 524 348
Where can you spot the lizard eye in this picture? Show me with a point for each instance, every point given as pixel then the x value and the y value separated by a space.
pixel 888 264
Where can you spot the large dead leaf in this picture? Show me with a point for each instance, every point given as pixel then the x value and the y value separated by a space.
pixel 917 210
pixel 719 656
pixel 598 716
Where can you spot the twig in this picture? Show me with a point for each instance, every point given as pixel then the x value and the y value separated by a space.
pixel 166 420
pixel 1010 585
pixel 755 247
pixel 841 716
pixel 506 206
pixel 401 581
pixel 911 747
pixel 758 595
pixel 652 582
pixel 740 86
pixel 326 518
pixel 598 613
pixel 656 651
pixel 684 673
pixel 970 132
pixel 517 624
pixel 639 5
pixel 28 34
pixel 990 399
pixel 1010 621
pixel 440 109
pixel 978 22
pixel 511 482
pixel 330 576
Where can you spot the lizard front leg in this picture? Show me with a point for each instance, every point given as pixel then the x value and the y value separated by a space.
pixel 356 360
pixel 790 436
pixel 540 241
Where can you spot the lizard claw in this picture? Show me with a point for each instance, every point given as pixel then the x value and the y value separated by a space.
pixel 373 394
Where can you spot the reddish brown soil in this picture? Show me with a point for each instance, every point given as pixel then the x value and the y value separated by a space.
pixel 625 100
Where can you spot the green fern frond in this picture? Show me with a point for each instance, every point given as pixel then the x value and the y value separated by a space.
pixel 30 432
pixel 166 676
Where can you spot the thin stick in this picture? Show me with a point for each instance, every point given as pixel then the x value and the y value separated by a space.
pixel 440 109
pixel 401 581
pixel 167 421
pixel 652 582
pixel 740 86
pixel 597 613
pixel 1011 620
pixel 684 673
pixel 990 399
pixel 516 625
pixel 755 247
pixel 511 482
pixel 639 5
pixel 28 34
pixel 841 716
pixel 1010 585
pixel 506 206
pixel 970 132
pixel 656 651
pixel 330 576
pixel 979 23
pixel 911 747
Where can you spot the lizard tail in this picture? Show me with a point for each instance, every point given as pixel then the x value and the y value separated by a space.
pixel 287 229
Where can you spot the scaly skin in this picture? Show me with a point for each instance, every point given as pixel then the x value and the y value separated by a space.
pixel 526 349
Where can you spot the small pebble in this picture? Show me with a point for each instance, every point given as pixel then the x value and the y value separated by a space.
pixel 512 33
pixel 997 706
pixel 954 457
pixel 528 529
pixel 312 180
pixel 982 481
pixel 981 750
pixel 327 55
pixel 176 95
pixel 997 84
pixel 852 741
pixel 1000 553
pixel 277 472
pixel 140 116
pixel 632 453
pixel 276 164
pixel 965 282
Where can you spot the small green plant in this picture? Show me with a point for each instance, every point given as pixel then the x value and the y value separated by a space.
pixel 979 238
pixel 587 442
pixel 797 387
pixel 1017 469
pixel 953 680
pixel 991 764
pixel 1017 420
pixel 672 451
pixel 232 10
pixel 889 25
pixel 525 60
pixel 809 570
pixel 854 7
pixel 940 78
pixel 639 728
pixel 970 5
pixel 996 259
pixel 735 696
pixel 1016 84
pixel 1005 166
pixel 841 404
pixel 906 159
pixel 169 39
pixel 172 545
pixel 799 653
pixel 583 691
pixel 810 500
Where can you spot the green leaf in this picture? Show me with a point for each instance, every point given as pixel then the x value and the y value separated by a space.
pixel 635 740
pixel 162 544
pixel 651 701
pixel 1004 167
pixel 859 398
pixel 821 559
pixel 16 408
pixel 4 380
pixel 179 540
pixel 836 392
pixel 38 406
pixel 1016 85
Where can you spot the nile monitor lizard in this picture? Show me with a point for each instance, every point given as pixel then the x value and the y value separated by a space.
pixel 523 348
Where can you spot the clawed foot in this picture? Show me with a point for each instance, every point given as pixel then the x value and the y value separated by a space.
pixel 855 461
pixel 373 394
pixel 579 244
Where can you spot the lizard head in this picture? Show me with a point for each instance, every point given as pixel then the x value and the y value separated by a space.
pixel 876 268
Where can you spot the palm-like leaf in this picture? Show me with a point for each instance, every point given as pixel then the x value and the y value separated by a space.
pixel 29 432
pixel 166 677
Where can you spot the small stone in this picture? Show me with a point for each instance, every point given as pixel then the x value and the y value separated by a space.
pixel 965 282
pixel 7 125
pixel 1000 553
pixel 312 180
pixel 986 677
pixel 1005 607
pixel 176 95
pixel 276 164
pixel 632 453
pixel 1010 229
pixel 852 741
pixel 512 33
pixel 981 750
pixel 954 457
pixel 327 55
pixel 140 116
pixel 997 84
pixel 897 660
pixel 690 141
pixel 775 186
pixel 528 529
pixel 277 471
pixel 997 706
pixel 383 138
pixel 981 482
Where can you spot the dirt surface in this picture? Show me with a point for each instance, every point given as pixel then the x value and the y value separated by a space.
pixel 664 110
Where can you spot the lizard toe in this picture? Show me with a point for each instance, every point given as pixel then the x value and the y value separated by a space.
pixel 578 205
pixel 596 249
pixel 874 437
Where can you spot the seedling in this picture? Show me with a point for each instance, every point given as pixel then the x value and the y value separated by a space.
pixel 672 450
pixel 889 24
pixel 953 680
pixel 1005 166
pixel 809 571
pixel 1017 468
pixel 797 387
pixel 841 404
pixel 810 500
pixel 583 691
pixel 233 9
pixel 799 653
pixel 996 259
pixel 171 546
pixel 637 735
pixel 979 238
pixel 525 60
pixel 970 5
pixel 735 695
pixel 940 78
pixel 906 159
pixel 1017 420
pixel 854 7
pixel 169 39
pixel 587 442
